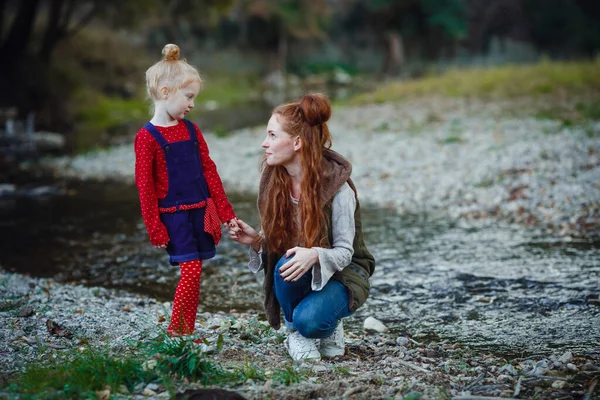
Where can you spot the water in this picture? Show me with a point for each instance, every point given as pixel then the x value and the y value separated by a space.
pixel 486 284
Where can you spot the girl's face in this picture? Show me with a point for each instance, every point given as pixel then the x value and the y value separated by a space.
pixel 280 147
pixel 180 102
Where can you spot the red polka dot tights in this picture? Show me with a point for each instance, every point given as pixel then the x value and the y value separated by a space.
pixel 187 295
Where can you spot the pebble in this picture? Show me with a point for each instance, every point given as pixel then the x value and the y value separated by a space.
pixel 566 358
pixel 560 385
pixel 373 324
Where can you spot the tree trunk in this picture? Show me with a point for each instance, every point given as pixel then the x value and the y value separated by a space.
pixel 282 51
pixel 394 54
pixel 54 30
pixel 2 13
pixel 17 40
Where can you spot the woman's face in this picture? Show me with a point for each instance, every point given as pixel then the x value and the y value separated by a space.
pixel 280 147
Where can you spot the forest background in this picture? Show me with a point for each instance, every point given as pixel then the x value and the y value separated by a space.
pixel 79 65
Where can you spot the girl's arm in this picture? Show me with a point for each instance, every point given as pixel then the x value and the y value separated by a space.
pixel 213 180
pixel 145 147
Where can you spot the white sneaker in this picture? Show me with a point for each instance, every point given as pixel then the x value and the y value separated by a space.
pixel 301 348
pixel 334 345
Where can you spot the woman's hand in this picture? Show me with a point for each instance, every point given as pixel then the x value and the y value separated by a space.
pixel 243 233
pixel 303 260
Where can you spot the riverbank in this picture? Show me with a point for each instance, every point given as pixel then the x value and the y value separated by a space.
pixel 464 158
pixel 48 328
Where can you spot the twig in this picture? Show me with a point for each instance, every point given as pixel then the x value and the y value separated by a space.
pixel 518 387
pixel 482 398
pixel 352 391
pixel 413 366
pixel 551 378
pixel 475 381
pixel 588 395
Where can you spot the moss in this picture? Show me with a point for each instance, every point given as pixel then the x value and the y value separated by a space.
pixel 497 82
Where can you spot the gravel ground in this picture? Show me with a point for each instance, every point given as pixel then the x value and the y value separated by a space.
pixel 41 319
pixel 463 159
pixel 466 159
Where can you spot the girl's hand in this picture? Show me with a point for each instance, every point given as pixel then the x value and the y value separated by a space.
pixel 243 233
pixel 303 260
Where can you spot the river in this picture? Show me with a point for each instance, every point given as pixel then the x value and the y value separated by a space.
pixel 497 287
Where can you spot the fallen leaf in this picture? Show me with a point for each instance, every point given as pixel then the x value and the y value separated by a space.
pixel 127 308
pixel 55 329
pixel 26 312
pixel 161 318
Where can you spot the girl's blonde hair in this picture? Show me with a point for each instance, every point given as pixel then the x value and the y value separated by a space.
pixel 170 72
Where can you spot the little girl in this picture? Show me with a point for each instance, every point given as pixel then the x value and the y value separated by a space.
pixel 181 194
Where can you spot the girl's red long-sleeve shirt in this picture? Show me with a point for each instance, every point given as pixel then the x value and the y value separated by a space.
pixel 152 179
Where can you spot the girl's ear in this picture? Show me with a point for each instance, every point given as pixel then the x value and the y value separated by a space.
pixel 164 92
pixel 297 143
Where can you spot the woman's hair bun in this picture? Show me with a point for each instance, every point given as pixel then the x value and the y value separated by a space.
pixel 170 52
pixel 316 108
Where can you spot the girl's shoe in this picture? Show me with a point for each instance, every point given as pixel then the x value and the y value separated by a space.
pixel 334 345
pixel 301 348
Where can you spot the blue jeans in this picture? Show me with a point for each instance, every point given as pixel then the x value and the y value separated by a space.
pixel 315 314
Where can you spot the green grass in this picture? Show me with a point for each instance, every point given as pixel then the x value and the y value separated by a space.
pixel 81 376
pixel 543 78
pixel 228 90
pixel 170 362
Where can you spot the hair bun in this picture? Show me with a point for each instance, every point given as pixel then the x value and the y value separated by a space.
pixel 316 108
pixel 170 52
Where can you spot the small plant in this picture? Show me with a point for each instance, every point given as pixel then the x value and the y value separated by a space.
pixel 290 375
pixel 342 370
pixel 251 371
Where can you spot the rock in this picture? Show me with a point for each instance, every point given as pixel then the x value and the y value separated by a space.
pixel 319 368
pixel 7 189
pixel 431 353
pixel 560 384
pixel 540 368
pixel 149 393
pixel 402 341
pixel 566 358
pixel 509 369
pixel 153 386
pixel 103 394
pixel 504 379
pixel 572 367
pixel 374 325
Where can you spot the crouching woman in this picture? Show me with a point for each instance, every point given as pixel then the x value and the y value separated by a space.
pixel 311 246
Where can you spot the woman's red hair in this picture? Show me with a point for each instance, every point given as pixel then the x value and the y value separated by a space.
pixel 304 118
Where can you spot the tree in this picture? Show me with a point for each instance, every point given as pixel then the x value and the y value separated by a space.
pixel 272 24
pixel 30 31
pixel 438 23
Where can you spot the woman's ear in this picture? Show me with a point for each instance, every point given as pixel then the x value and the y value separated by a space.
pixel 297 143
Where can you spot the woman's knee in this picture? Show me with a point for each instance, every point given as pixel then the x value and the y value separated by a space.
pixel 311 326
pixel 278 279
pixel 282 261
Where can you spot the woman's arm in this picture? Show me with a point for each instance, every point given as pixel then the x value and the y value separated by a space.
pixel 243 233
pixel 326 262
pixel 340 254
